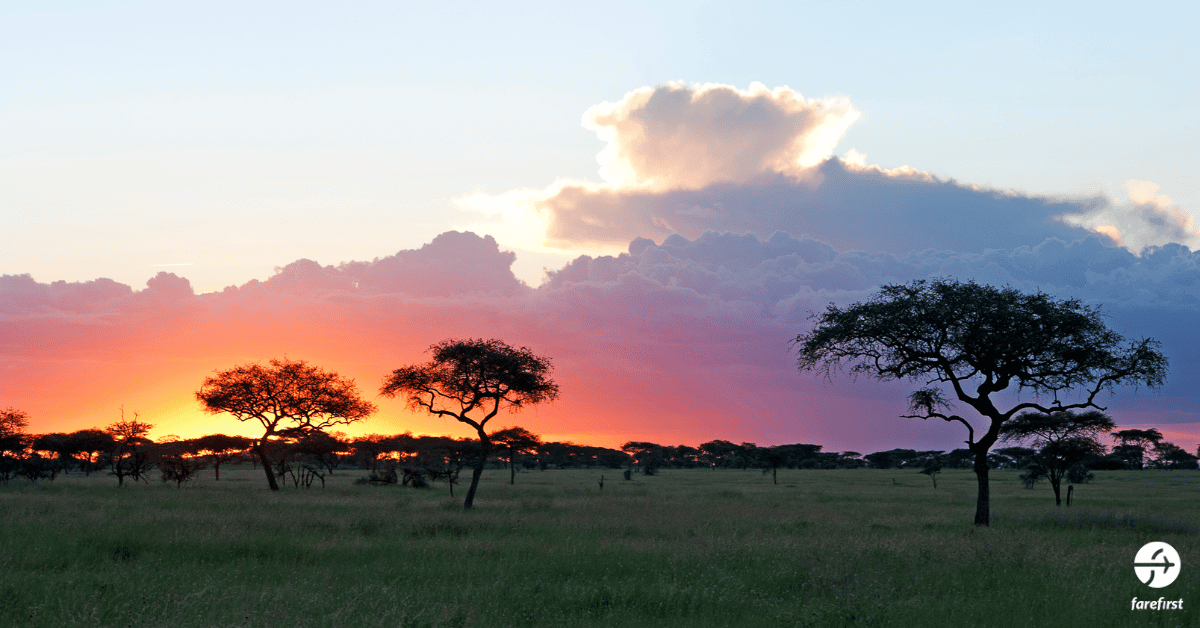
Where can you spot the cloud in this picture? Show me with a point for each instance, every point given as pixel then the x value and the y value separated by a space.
pixel 678 137
pixel 1146 219
pixel 689 159
pixel 681 341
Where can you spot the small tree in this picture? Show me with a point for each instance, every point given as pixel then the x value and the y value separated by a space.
pixel 471 380
pixel 932 467
pixel 129 457
pixel 13 441
pixel 1171 456
pixel 978 341
pixel 91 445
pixel 1134 444
pixel 219 449
pixel 321 450
pixel 1065 441
pixel 518 441
pixel 289 398
pixel 177 462
pixel 644 456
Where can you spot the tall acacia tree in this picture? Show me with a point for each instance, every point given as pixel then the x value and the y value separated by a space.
pixel 471 381
pixel 289 398
pixel 977 341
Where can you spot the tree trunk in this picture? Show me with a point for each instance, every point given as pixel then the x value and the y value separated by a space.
pixel 1055 484
pixel 512 467
pixel 485 448
pixel 475 475
pixel 261 450
pixel 983 501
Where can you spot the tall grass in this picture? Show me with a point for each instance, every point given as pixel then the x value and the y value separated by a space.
pixel 684 548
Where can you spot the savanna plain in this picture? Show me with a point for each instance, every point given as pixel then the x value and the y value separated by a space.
pixel 857 547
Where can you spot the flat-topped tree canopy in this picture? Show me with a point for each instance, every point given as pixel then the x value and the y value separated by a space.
pixel 467 376
pixel 471 381
pixel 978 340
pixel 287 394
pixel 288 397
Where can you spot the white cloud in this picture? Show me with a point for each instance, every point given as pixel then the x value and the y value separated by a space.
pixel 1144 219
pixel 689 159
pixel 678 137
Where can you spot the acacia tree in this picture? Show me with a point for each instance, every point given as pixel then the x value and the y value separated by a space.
pixel 289 398
pixel 219 449
pixel 978 341
pixel 518 441
pixel 471 380
pixel 1134 444
pixel 13 440
pixel 1065 440
pixel 129 441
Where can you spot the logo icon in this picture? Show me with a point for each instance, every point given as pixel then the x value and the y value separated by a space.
pixel 1156 564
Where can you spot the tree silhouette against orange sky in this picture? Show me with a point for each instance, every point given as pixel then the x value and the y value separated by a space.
pixel 473 377
pixel 290 398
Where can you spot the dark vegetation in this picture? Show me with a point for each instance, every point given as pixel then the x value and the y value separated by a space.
pixel 979 341
pixel 305 460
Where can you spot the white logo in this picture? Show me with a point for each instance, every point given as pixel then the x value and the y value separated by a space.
pixel 1156 564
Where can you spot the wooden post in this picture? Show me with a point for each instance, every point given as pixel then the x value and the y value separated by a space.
pixel 1070 489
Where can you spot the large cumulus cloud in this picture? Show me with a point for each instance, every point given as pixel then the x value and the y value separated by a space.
pixel 676 342
pixel 682 159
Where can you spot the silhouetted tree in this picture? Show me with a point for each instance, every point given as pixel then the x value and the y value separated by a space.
pixel 177 461
pixel 979 340
pixel 474 378
pixel 321 450
pixel 717 453
pixel 1064 441
pixel 1012 457
pixel 288 398
pixel 13 441
pixel 647 457
pixel 61 445
pixel 1171 456
pixel 1134 443
pixel 219 449
pixel 932 467
pixel 516 441
pixel 129 456
pixel 771 458
pixel 91 445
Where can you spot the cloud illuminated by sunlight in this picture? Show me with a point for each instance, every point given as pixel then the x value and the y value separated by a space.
pixel 1145 219
pixel 678 137
pixel 671 137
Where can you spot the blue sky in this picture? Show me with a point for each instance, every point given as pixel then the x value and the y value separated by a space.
pixel 234 137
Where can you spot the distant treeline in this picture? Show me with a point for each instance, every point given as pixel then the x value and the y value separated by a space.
pixel 124 451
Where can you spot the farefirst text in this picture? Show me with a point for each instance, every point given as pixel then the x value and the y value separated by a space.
pixel 1161 603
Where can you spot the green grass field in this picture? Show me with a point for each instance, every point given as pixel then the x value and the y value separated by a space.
pixel 683 548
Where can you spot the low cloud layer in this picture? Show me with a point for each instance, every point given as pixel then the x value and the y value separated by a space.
pixel 677 342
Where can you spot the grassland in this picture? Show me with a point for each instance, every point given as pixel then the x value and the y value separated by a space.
pixel 684 548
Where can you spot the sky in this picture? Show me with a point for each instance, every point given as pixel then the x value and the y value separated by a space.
pixel 653 195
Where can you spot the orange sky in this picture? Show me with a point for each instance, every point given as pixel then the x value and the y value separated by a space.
pixel 640 357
